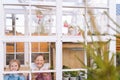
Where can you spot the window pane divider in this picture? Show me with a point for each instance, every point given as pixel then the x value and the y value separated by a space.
pixel 41 71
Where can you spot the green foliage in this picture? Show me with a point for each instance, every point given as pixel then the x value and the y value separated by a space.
pixel 70 73
pixel 74 73
pixel 101 64
pixel 66 73
pixel 102 67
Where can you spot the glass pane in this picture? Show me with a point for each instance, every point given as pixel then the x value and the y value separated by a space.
pixel 118 15
pixel 69 3
pixel 8 58
pixel 71 52
pixel 43 21
pixel 15 47
pixel 19 47
pixel 46 56
pixel 20 23
pixel 15 1
pixel 10 47
pixel 43 0
pixel 118 59
pixel 15 52
pixel 16 20
pixel 40 46
pixel 8 19
pixel 12 56
pixel 101 3
pixel 73 57
pixel 21 58
pixel 73 21
pixel 99 48
pixel 43 60
pixel 100 19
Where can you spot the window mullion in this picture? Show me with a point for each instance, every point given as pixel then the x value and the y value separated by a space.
pixel 58 42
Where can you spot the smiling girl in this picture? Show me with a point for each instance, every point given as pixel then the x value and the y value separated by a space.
pixel 14 65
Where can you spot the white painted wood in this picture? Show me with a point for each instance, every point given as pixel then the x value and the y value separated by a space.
pixel 112 13
pixel 59 42
pixel 1 42
pixel 58 38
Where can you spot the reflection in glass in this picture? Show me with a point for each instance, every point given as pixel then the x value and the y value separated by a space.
pixel 73 21
pixel 101 21
pixel 12 56
pixel 70 51
pixel 15 20
pixel 15 50
pixel 46 50
pixel 40 46
pixel 43 21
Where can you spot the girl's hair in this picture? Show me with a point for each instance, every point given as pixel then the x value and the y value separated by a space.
pixel 15 60
pixel 39 55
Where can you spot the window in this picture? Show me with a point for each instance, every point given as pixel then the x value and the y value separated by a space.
pixel 15 50
pixel 53 28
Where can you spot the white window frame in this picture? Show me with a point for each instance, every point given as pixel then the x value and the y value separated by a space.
pixel 58 38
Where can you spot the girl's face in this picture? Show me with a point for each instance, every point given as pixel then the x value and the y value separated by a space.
pixel 39 61
pixel 14 66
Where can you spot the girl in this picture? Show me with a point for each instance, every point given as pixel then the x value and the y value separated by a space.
pixel 14 65
pixel 39 64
